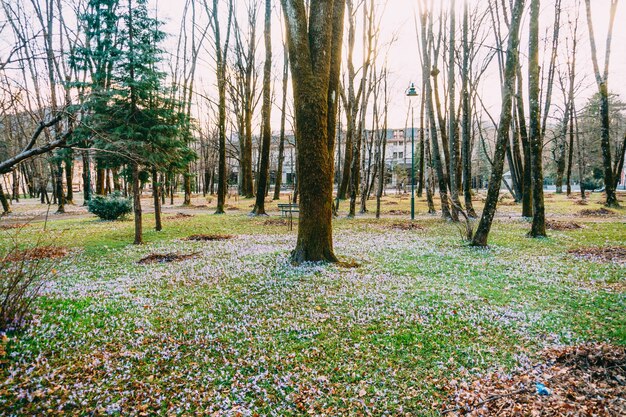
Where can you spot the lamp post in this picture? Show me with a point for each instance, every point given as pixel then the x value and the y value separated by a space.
pixel 411 92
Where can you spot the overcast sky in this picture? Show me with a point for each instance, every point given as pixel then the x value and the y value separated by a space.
pixel 403 58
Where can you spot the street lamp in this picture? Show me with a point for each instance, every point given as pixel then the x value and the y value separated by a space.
pixel 410 93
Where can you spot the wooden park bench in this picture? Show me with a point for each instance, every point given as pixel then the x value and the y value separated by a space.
pixel 286 209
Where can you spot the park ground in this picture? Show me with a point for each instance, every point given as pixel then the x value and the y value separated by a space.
pixel 413 317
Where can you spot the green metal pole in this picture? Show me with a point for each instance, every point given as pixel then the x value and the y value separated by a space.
pixel 412 166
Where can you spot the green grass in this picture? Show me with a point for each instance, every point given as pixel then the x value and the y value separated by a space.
pixel 238 329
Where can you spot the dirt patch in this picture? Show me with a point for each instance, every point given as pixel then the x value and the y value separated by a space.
pixel 407 226
pixel 12 226
pixel 615 254
pixel 179 216
pixel 507 203
pixel 276 222
pixel 562 226
pixel 601 212
pixel 232 208
pixel 399 212
pixel 581 202
pixel 41 252
pixel 165 258
pixel 587 380
pixel 391 203
pixel 352 264
pixel 208 238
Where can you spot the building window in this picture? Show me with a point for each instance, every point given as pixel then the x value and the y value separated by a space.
pixel 401 155
pixel 395 155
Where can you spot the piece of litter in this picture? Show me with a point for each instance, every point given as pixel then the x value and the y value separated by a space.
pixel 542 390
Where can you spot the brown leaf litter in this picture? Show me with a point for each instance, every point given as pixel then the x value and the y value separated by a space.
pixel 37 253
pixel 407 226
pixel 181 216
pixel 562 226
pixel 615 254
pixel 585 380
pixel 399 212
pixel 601 212
pixel 12 226
pixel 276 222
pixel 208 238
pixel 165 258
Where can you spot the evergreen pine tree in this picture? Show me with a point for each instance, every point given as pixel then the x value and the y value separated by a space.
pixel 132 119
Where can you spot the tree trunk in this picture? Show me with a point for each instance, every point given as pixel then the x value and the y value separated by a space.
pixel 117 184
pixel 283 116
pixel 383 147
pixel 187 185
pixel 430 184
pixel 422 165
pixel 221 52
pixel 466 127
pixel 536 144
pixel 99 178
pixel 69 176
pixel 16 185
pixel 455 181
pixel 6 208
pixel 579 151
pixel 508 90
pixel 347 164
pixel 619 162
pixel 86 177
pixel 527 189
pixel 156 194
pixel 560 165
pixel 442 128
pixel 430 111
pixel 570 153
pixel 263 182
pixel 315 57
pixel 59 186
pixel 248 178
pixel 137 204
pixel 603 90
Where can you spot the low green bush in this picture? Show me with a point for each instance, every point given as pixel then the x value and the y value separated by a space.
pixel 110 208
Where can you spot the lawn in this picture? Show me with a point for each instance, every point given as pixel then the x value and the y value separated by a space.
pixel 236 330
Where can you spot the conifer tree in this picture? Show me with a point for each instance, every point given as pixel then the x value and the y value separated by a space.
pixel 134 121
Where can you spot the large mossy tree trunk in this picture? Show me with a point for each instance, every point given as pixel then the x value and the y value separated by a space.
pixel 315 58
pixel 508 90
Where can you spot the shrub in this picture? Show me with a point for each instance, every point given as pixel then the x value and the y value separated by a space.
pixel 23 272
pixel 110 208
